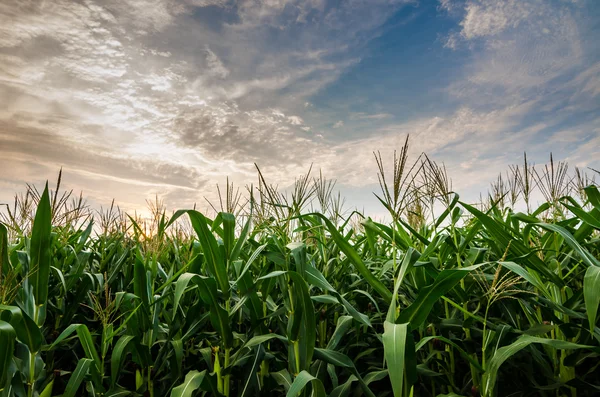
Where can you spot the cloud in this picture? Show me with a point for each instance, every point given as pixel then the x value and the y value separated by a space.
pixel 295 120
pixel 523 44
pixel 488 18
pixel 35 145
pixel 366 116
pixel 172 98
pixel 215 66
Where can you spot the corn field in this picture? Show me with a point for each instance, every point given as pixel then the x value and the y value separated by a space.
pixel 289 294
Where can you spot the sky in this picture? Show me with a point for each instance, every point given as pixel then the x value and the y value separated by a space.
pixel 137 98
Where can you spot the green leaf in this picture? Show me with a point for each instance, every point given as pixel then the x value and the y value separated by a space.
pixel 251 382
pixel 85 338
pixel 591 294
pixel 117 392
pixel 207 289
pixel 217 265
pixel 7 347
pixel 593 196
pixel 585 255
pixel 341 360
pixel 194 380
pixel 4 263
pixel 237 249
pixel 140 281
pixel 409 260
pixel 343 325
pixel 463 353
pixel 47 392
pixel 521 271
pixel 506 241
pixel 394 345
pixel 417 312
pixel 504 353
pixel 250 261
pixel 118 354
pixel 355 258
pixel 82 369
pixel 301 381
pixel 584 216
pixel 228 232
pixel 282 378
pixel 303 323
pixel 26 329
pixel 39 251
pixel 344 389
pixel 87 343
pixel 315 277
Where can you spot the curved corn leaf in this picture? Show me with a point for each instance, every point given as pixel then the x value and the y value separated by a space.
pixel 302 380
pixel 282 378
pixel 26 329
pixel 463 353
pixel 118 354
pixel 570 240
pixel 194 380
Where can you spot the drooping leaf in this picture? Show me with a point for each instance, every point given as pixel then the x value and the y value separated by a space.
pixel 26 329
pixel 302 380
pixel 194 380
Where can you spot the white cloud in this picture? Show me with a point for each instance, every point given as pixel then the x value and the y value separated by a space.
pixel 366 116
pixel 490 17
pixel 215 66
pixel 338 124
pixel 521 47
pixel 295 120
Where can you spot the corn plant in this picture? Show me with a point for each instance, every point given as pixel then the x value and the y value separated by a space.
pixel 288 294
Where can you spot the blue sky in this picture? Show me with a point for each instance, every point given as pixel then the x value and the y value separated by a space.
pixel 135 100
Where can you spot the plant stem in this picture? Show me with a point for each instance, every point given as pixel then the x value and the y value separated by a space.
pixel 227 377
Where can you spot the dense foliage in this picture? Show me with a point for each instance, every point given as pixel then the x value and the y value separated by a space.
pixel 477 300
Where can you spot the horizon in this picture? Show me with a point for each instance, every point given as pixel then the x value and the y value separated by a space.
pixel 135 102
pixel 506 192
